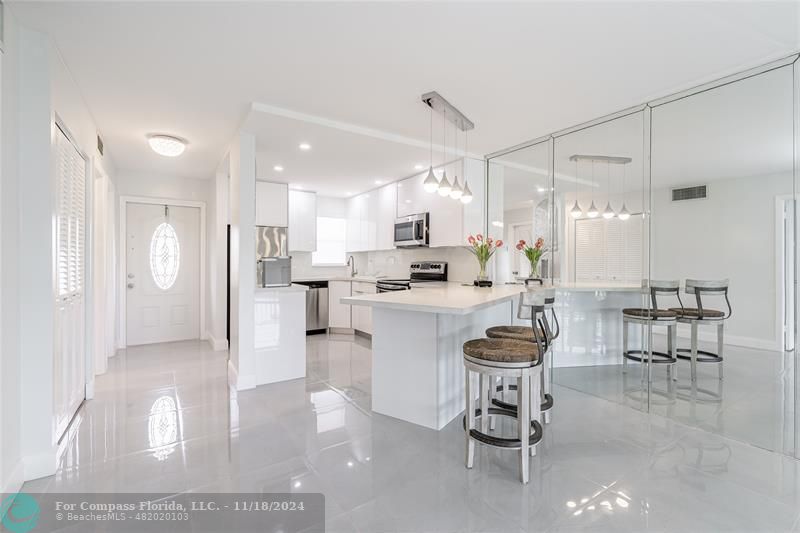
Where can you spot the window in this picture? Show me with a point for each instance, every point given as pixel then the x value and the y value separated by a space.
pixel 330 242
pixel 165 255
pixel 608 250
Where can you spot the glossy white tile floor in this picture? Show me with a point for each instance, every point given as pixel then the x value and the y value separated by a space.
pixel 165 420
pixel 754 403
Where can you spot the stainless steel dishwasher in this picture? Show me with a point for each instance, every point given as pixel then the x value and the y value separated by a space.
pixel 316 306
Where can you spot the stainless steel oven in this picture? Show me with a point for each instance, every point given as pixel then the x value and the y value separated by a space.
pixel 412 231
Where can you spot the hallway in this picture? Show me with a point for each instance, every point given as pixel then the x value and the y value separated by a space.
pixel 165 420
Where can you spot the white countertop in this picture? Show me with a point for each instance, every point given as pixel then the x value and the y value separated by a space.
pixel 290 288
pixel 363 279
pixel 456 298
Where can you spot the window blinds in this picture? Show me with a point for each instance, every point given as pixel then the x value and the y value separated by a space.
pixel 70 217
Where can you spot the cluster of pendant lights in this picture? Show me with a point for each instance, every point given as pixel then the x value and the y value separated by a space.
pixel 592 212
pixel 443 186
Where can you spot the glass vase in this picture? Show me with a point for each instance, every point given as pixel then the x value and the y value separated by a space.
pixel 482 275
pixel 534 274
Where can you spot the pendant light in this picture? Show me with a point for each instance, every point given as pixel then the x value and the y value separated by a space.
pixel 608 213
pixel 624 214
pixel 457 190
pixel 466 195
pixel 431 183
pixel 576 210
pixel 592 212
pixel 444 184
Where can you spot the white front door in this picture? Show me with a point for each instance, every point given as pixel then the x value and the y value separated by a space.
pixel 163 273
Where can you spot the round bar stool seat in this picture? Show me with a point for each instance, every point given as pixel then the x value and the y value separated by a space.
pixel 693 312
pixel 651 314
pixel 502 350
pixel 521 333
pixel 505 358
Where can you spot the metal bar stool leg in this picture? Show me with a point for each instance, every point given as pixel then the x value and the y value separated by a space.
pixel 485 382
pixel 524 424
pixel 492 390
pixel 624 345
pixel 470 394
pixel 720 344
pixel 694 351
pixel 674 352
pixel 670 348
pixel 536 405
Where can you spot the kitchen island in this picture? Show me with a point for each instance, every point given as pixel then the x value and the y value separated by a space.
pixel 417 369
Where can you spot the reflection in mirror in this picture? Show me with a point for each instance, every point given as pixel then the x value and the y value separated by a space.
pixel 722 209
pixel 519 210
pixel 599 190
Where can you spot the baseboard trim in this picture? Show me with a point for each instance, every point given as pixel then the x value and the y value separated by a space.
pixel 240 382
pixel 15 480
pixel 217 345
pixel 710 335
pixel 342 331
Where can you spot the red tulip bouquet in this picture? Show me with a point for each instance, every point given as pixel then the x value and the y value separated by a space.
pixel 483 251
pixel 533 253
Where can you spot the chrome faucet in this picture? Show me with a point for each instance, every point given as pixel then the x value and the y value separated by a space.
pixel 351 262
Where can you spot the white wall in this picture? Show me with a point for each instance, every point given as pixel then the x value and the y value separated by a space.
pixel 731 234
pixel 11 466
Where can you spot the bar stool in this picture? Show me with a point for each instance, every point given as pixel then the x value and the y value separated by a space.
pixel 653 316
pixel 702 315
pixel 491 358
pixel 529 334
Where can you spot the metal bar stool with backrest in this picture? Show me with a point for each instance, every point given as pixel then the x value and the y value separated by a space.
pixel 696 316
pixel 649 317
pixel 529 334
pixel 491 358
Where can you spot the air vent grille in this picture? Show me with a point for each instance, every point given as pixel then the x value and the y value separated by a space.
pixel 689 193
pixel 99 145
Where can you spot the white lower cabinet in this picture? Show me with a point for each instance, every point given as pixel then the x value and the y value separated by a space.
pixel 362 314
pixel 339 314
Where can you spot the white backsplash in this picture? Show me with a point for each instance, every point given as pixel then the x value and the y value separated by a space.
pixel 302 269
pixel 461 264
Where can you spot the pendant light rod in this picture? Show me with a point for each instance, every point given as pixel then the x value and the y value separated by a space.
pixel 439 104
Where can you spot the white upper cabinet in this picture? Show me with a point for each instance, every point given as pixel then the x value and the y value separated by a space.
pixel 302 221
pixel 370 220
pixel 272 204
pixel 386 205
pixel 450 220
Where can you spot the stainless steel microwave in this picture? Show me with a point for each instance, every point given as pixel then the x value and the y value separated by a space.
pixel 412 231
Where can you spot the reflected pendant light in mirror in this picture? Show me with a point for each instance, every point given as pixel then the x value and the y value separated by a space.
pixel 608 212
pixel 592 212
pixel 624 214
pixel 466 195
pixel 576 210
pixel 457 190
pixel 444 183
pixel 431 183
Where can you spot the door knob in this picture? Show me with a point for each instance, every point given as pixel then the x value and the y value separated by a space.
pixel 130 285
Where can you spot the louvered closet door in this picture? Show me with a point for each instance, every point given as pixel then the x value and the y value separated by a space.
pixel 70 249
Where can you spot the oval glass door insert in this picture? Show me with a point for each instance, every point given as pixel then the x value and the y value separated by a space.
pixel 165 255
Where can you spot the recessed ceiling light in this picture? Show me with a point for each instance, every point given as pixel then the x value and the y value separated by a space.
pixel 305 147
pixel 540 189
pixel 419 167
pixel 348 193
pixel 296 186
pixel 277 168
pixel 167 145
pixel 378 182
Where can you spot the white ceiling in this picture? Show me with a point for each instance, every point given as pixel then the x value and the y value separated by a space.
pixel 518 70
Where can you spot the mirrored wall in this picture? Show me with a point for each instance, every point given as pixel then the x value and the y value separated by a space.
pixel 697 186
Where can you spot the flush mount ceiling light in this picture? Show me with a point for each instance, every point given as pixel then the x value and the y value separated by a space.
pixel 305 147
pixel 167 145
pixel 277 168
